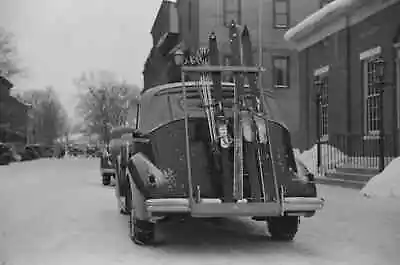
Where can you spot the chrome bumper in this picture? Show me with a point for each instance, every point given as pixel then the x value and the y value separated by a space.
pixel 215 208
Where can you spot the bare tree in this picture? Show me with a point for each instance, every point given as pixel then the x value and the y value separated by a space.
pixel 105 102
pixel 8 55
pixel 49 117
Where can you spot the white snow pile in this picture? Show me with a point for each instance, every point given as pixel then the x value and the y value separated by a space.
pixel 331 157
pixel 386 184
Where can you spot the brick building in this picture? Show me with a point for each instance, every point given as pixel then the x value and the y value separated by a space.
pixel 193 20
pixel 13 115
pixel 343 46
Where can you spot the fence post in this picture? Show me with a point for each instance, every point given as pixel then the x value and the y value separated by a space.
pixel 317 88
pixel 379 83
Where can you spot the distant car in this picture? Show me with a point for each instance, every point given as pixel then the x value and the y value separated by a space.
pixel 29 153
pixel 75 151
pixel 92 151
pixel 6 154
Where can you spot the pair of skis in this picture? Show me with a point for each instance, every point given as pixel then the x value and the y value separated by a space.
pixel 250 127
pixel 223 141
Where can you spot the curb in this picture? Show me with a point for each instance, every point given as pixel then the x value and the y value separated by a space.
pixel 351 184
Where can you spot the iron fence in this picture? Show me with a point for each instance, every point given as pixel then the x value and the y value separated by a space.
pixel 355 151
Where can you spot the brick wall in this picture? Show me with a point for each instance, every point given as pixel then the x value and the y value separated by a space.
pixel 342 52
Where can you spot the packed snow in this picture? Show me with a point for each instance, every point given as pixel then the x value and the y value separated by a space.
pixel 331 157
pixel 56 211
pixel 386 184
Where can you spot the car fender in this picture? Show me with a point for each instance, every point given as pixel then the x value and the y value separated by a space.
pixel 145 174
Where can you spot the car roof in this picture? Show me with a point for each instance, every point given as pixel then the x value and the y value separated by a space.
pixel 157 112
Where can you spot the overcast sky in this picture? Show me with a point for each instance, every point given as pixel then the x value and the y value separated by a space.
pixel 59 39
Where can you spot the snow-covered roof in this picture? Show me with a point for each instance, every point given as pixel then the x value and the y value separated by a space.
pixel 327 14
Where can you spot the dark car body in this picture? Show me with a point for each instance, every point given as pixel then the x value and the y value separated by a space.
pixel 6 154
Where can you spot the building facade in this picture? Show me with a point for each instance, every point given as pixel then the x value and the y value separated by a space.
pixel 348 52
pixel 13 115
pixel 197 18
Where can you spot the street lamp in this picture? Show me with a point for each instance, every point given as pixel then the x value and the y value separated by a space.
pixel 179 57
pixel 379 85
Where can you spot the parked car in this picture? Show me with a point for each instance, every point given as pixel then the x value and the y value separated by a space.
pixel 6 154
pixel 92 151
pixel 107 167
pixel 75 150
pixel 166 178
pixel 30 152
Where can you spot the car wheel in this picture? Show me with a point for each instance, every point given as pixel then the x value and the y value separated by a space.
pixel 283 228
pixel 141 232
pixel 106 179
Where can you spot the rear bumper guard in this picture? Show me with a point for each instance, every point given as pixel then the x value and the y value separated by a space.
pixel 215 208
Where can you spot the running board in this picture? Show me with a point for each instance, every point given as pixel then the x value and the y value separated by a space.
pixel 215 207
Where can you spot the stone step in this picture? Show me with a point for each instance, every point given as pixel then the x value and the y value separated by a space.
pixel 350 176
pixel 361 171
pixel 341 183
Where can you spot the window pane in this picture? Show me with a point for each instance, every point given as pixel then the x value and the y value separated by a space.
pixel 281 20
pixel 281 7
pixel 231 5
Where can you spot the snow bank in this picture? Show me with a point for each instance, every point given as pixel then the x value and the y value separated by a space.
pixel 331 157
pixel 386 184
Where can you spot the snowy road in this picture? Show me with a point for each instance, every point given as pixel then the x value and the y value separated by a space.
pixel 57 212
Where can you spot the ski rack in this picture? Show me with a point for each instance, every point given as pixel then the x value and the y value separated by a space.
pixel 204 69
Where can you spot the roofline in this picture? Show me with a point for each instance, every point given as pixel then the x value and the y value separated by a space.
pixel 315 20
pixel 332 18
pixel 7 82
pixel 163 2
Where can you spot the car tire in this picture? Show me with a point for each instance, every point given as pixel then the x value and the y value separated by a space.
pixel 141 232
pixel 283 228
pixel 106 179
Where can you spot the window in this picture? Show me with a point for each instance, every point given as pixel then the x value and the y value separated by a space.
pixel 323 3
pixel 322 75
pixel 281 73
pixel 323 107
pixel 232 10
pixel 372 97
pixel 281 14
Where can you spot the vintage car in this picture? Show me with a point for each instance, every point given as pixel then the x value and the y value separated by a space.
pixel 170 170
pixel 107 167
pixel 109 160
pixel 121 147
